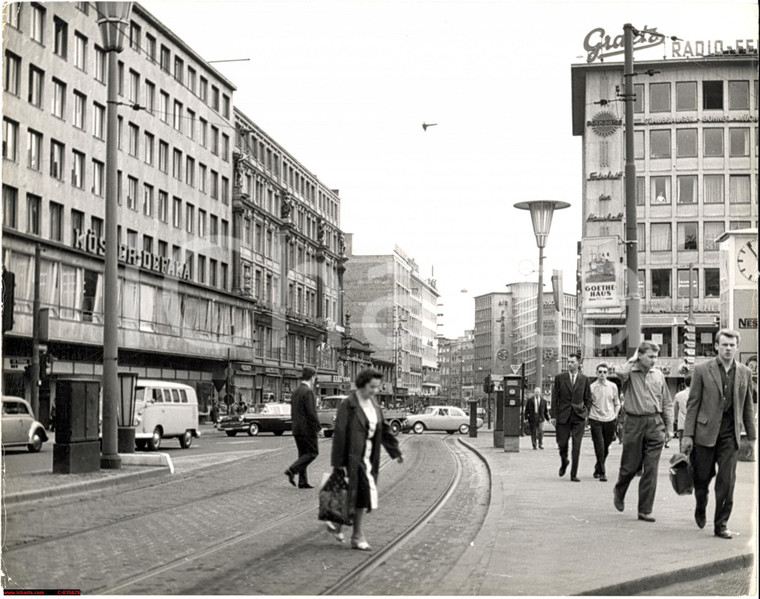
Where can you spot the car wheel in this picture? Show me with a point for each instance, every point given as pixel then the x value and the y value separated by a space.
pixel 464 429
pixel 186 440
pixel 418 428
pixel 154 443
pixel 141 444
pixel 328 434
pixel 278 433
pixel 253 430
pixel 36 443
pixel 395 427
pixel 231 433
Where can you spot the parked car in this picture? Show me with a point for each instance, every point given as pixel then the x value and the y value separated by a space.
pixel 19 426
pixel 327 408
pixel 261 418
pixel 164 410
pixel 440 418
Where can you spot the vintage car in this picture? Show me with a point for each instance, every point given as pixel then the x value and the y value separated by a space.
pixel 19 426
pixel 327 407
pixel 261 418
pixel 440 418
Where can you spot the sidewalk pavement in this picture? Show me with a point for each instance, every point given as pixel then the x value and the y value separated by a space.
pixel 546 535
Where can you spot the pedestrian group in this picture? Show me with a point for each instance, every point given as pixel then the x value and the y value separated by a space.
pixel 710 412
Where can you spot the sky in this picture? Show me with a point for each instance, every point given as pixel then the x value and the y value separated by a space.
pixel 344 86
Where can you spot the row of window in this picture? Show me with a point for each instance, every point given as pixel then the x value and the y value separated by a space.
pixel 56 226
pixel 220 102
pixel 184 121
pixel 661 282
pixel 297 181
pixel 188 77
pixel 694 189
pixel 687 142
pixel 687 235
pixel 693 95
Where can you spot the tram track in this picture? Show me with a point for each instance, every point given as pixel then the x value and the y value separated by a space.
pixel 216 564
pixel 136 516
pixel 352 578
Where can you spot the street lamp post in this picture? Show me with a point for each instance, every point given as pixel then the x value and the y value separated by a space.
pixel 541 212
pixel 113 20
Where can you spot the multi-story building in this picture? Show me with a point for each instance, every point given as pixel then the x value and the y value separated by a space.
pixel 287 257
pixel 695 133
pixel 505 333
pixel 393 310
pixel 230 259
pixel 179 318
pixel 456 363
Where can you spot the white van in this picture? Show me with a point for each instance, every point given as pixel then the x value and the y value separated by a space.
pixel 164 410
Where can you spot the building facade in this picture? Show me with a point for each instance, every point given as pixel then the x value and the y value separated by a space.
pixel 207 297
pixel 695 133
pixel 505 333
pixel 287 258
pixel 456 364
pixel 392 309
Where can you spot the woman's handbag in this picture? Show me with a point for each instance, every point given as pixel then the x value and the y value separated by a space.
pixel 333 500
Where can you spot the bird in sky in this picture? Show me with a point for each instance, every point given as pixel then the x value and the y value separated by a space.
pixel 426 125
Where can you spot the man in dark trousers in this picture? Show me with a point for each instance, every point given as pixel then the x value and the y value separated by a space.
pixel 536 413
pixel 648 425
pixel 305 428
pixel 720 400
pixel 571 402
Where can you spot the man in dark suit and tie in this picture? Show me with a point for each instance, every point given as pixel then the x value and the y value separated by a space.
pixel 720 401
pixel 571 402
pixel 305 428
pixel 536 413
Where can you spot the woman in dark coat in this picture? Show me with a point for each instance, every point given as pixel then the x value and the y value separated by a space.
pixel 359 432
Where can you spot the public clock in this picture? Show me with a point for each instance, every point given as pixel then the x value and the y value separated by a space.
pixel 746 261
pixel 502 354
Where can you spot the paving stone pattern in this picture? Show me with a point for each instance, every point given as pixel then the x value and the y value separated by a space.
pixel 236 529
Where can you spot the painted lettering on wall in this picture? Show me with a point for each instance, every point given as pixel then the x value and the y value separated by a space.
pixel 682 49
pixel 609 217
pixel 595 176
pixel 92 244
pixel 599 45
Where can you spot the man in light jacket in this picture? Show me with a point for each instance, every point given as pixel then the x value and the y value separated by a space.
pixel 720 401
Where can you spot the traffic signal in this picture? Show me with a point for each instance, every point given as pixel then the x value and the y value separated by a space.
pixel 690 342
pixel 9 292
pixel 487 384
pixel 46 364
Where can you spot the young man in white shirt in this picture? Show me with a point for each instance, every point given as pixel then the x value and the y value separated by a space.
pixel 605 404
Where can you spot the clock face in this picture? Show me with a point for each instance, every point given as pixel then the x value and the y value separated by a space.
pixel 746 261
pixel 502 354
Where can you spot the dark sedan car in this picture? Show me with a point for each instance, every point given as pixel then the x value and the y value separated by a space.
pixel 262 418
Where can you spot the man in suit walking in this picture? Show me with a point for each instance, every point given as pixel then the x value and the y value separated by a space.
pixel 571 402
pixel 305 428
pixel 720 401
pixel 648 425
pixel 536 413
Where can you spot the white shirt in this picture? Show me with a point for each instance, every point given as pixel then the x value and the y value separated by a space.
pixel 605 401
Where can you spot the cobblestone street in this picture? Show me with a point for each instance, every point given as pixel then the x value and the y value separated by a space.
pixel 236 529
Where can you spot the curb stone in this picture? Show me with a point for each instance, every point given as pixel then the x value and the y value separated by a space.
pixel 656 581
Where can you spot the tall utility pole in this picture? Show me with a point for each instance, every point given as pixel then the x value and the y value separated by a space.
pixel 113 20
pixel 633 300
